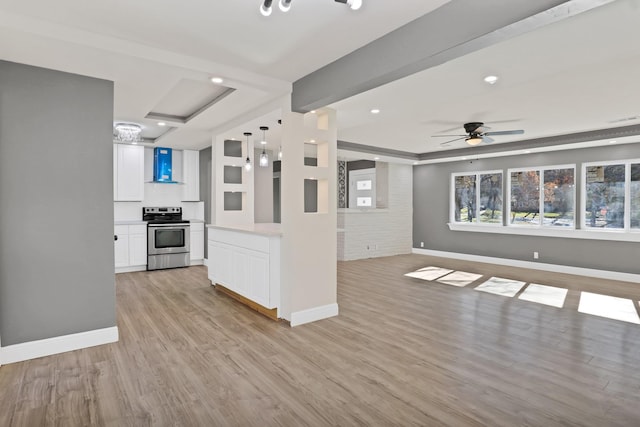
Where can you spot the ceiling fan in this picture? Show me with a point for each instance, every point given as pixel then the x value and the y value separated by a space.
pixel 477 132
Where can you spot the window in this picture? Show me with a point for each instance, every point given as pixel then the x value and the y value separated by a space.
pixel 612 195
pixel 477 198
pixel 634 198
pixel 551 204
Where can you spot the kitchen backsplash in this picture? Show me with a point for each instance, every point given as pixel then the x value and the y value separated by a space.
pixel 128 211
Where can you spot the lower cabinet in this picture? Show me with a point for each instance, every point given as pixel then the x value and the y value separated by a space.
pixel 197 242
pixel 248 265
pixel 130 247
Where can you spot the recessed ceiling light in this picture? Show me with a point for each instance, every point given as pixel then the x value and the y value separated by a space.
pixel 527 152
pixel 491 79
pixel 162 124
pixel 217 80
pixel 376 158
pixel 312 141
pixel 415 163
pixel 375 111
pixel 312 111
pixel 612 142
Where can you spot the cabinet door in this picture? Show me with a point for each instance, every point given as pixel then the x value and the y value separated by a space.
pixel 129 173
pixel 220 267
pixel 197 244
pixel 137 248
pixel 240 273
pixel 258 275
pixel 121 247
pixel 191 176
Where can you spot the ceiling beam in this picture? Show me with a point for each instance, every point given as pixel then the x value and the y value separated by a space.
pixel 455 29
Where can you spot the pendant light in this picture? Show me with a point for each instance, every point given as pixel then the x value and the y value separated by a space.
pixel 247 165
pixel 264 157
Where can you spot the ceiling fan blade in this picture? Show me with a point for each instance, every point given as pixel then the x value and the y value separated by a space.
pixel 487 139
pixel 457 139
pixel 506 132
pixel 438 136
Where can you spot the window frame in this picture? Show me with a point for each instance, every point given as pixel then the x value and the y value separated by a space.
pixel 452 198
pixel 627 197
pixel 541 212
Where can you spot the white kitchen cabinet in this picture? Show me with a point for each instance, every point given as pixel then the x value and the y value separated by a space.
pixel 197 242
pixel 128 173
pixel 221 270
pixel 130 249
pixel 137 245
pixel 121 245
pixel 190 176
pixel 246 260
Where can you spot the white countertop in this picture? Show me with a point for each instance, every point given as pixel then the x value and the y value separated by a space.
pixel 265 229
pixel 130 222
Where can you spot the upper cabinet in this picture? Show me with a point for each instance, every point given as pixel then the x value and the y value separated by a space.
pixel 191 176
pixel 128 173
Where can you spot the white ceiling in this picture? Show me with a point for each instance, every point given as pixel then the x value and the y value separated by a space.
pixel 579 74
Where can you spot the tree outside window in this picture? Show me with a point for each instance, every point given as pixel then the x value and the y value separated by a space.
pixel 525 197
pixel 465 198
pixel 605 196
pixel 635 196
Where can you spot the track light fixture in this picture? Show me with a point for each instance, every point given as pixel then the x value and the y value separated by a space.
pixel 247 165
pixel 285 5
pixel 265 7
pixel 264 157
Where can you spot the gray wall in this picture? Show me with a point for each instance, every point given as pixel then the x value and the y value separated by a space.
pixel 56 193
pixel 431 215
pixel 205 191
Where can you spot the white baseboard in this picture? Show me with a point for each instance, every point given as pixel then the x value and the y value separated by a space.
pixel 131 269
pixel 556 268
pixel 46 347
pixel 206 262
pixel 312 314
pixel 196 262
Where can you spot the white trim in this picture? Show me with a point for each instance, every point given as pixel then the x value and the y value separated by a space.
pixel 563 232
pixel 313 314
pixel 131 269
pixel 196 262
pixel 46 347
pixel 205 262
pixel 556 268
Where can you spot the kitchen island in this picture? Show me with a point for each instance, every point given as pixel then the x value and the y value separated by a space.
pixel 244 262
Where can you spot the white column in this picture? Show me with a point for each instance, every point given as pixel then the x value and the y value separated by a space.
pixel 309 272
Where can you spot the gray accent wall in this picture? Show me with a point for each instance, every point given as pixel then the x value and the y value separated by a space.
pixel 431 193
pixel 56 193
pixel 205 159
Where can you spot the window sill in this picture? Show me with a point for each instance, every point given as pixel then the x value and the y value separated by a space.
pixel 362 210
pixel 621 236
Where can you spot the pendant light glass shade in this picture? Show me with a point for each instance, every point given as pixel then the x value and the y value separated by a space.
pixel 264 159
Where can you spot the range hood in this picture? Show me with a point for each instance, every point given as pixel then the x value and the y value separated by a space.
pixel 162 165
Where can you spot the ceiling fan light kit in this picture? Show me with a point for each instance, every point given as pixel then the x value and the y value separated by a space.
pixel 285 5
pixel 476 133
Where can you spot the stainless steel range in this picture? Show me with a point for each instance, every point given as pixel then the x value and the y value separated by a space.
pixel 167 238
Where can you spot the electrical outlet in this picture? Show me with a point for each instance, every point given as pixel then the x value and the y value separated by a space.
pixel 535 255
pixel 422 244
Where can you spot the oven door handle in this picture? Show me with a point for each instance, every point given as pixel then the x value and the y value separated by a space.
pixel 168 225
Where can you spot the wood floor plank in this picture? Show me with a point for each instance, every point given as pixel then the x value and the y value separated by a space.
pixel 403 352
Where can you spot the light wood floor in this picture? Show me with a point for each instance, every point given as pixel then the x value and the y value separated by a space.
pixel 403 352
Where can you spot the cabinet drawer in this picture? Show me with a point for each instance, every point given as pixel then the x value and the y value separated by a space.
pixel 137 229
